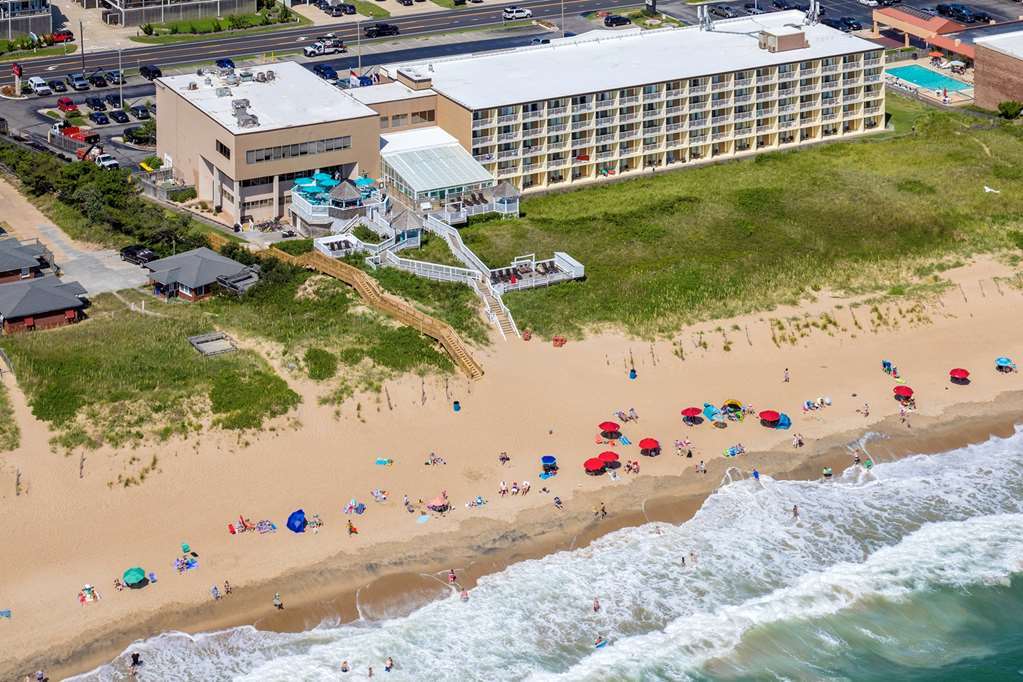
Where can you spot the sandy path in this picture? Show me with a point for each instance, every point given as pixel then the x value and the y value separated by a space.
pixel 535 399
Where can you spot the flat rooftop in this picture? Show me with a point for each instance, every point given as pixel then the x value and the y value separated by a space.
pixel 1010 43
pixel 387 92
pixel 293 97
pixel 610 60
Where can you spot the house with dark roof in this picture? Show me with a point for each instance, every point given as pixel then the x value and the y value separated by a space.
pixel 40 303
pixel 22 260
pixel 191 275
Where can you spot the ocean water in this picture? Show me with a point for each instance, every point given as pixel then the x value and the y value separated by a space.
pixel 911 571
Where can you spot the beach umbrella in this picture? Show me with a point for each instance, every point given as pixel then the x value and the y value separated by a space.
pixel 319 177
pixel 439 503
pixel 769 416
pixel 903 391
pixel 135 577
pixel 594 466
pixel 649 444
pixel 304 181
pixel 959 373
pixel 935 54
pixel 548 460
pixel 784 422
pixel 732 404
pixel 608 457
pixel 609 427
pixel 1004 362
pixel 297 521
pixel 691 412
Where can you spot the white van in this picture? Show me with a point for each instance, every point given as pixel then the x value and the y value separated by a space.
pixel 39 86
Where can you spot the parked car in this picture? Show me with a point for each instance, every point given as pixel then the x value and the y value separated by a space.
pixel 140 112
pixel 114 100
pixel 752 8
pixel 868 3
pixel 781 4
pixel 66 105
pixel 62 36
pixel 150 72
pixel 851 24
pixel 57 85
pixel 106 161
pixel 513 12
pixel 405 3
pixel 119 116
pixel 134 135
pixel 723 11
pixel 114 76
pixel 381 30
pixel 137 254
pixel 337 10
pixel 225 63
pixel 805 8
pixel 540 41
pixel 833 23
pixel 77 81
pixel 99 118
pixel 95 103
pixel 613 20
pixel 39 86
pixel 326 72
pixel 97 80
pixel 347 8
pixel 981 16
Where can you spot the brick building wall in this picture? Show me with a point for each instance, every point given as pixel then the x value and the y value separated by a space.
pixel 15 275
pixel 997 77
pixel 48 321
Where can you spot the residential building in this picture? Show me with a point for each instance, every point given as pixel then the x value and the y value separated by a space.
pixel 20 261
pixel 441 134
pixel 998 69
pixel 22 17
pixel 138 12
pixel 193 275
pixel 40 303
pixel 242 138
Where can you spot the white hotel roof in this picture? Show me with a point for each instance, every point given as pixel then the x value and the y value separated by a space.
pixel 1007 43
pixel 612 59
pixel 387 92
pixel 295 97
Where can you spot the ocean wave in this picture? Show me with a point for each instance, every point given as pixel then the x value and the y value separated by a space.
pixel 534 618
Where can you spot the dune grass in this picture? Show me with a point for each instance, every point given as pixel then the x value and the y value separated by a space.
pixel 669 249
pixel 10 434
pixel 121 376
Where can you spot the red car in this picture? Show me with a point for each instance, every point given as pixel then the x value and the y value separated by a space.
pixel 66 105
pixel 62 36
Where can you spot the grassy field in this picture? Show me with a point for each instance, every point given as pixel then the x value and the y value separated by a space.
pixel 370 9
pixel 10 434
pixel 51 51
pixel 672 248
pixel 190 30
pixel 122 377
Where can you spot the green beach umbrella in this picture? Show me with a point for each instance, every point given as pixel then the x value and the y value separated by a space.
pixel 134 576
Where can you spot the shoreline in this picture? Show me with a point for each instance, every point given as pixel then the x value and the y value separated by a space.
pixel 391 579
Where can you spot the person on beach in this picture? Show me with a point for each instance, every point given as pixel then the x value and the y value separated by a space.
pixel 278 604
pixel 795 512
pixel 633 415
pixel 344 666
pixel 515 488
pixel 41 676
pixel 117 584
pixel 756 475
pixel 352 530
pixel 603 511
pixel 215 593
pixel 464 595
pixel 596 605
pixel 451 576
pixel 370 671
pixel 701 468
pixel 388 664
pixel 525 487
pixel 227 587
pixel 502 489
pixel 503 458
pixel 786 379
pixel 557 503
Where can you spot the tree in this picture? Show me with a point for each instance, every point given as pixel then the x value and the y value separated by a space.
pixel 1010 109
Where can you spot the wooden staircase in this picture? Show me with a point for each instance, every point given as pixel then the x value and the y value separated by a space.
pixel 374 296
pixel 507 328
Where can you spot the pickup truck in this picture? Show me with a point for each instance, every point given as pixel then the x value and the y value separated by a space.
pixel 381 30
pixel 325 46
pixel 106 161
pixel 137 254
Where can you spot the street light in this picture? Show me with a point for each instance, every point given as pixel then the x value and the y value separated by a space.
pixel 81 42
pixel 120 84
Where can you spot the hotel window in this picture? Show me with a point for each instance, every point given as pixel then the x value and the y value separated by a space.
pixel 399 120
pixel 224 150
pixel 289 151
pixel 385 122
pixel 422 116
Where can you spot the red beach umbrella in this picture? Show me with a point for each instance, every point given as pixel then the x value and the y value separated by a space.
pixel 609 427
pixel 903 391
pixel 959 373
pixel 769 416
pixel 593 465
pixel 649 444
pixel 692 412
pixel 607 457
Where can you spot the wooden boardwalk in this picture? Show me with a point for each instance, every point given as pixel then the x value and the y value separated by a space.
pixel 375 297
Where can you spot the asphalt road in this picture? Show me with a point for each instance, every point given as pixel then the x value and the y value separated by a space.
pixel 291 39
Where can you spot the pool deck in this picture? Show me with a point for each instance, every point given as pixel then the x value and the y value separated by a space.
pixel 956 98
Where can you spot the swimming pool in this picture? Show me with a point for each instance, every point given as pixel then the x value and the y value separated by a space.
pixel 927 79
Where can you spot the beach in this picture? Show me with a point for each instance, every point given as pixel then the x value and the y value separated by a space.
pixel 69 525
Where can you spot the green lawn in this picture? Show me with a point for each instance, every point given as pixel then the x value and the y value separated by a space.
pixel 368 8
pixel 432 249
pixel 190 30
pixel 121 378
pixel 668 249
pixel 51 51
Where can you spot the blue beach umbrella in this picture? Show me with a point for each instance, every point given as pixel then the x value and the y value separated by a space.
pixel 1004 362
pixel 297 522
pixel 304 181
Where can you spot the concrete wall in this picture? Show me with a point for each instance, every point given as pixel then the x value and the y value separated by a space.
pixel 996 78
pixel 136 13
pixel 407 107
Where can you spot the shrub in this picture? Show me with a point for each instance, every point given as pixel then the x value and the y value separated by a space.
pixel 147 29
pixel 180 196
pixel 1016 237
pixel 320 364
pixel 1010 109
pixel 154 162
pixel 174 30
pixel 296 247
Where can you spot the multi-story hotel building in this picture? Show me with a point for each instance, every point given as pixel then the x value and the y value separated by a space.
pixel 596 106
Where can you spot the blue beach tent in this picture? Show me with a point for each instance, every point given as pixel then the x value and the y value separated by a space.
pixel 709 411
pixel 783 421
pixel 297 521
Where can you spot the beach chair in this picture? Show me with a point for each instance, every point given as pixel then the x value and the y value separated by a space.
pixel 886 366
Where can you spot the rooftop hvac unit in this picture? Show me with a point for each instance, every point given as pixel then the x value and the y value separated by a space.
pixel 192 85
pixel 260 77
pixel 246 76
pixel 270 75
pixel 207 80
pixel 223 92
pixel 240 104
pixel 246 120
pixel 230 79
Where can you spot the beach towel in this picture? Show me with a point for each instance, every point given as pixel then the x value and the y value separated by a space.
pixel 423 518
pixel 383 462
pixel 547 474
pixel 624 441
pixel 6 613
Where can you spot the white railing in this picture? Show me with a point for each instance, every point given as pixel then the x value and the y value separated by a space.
pixel 455 243
pixel 434 271
pixel 309 211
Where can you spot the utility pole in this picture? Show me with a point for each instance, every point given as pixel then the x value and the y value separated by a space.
pixel 358 43
pixel 562 18
pixel 120 85
pixel 81 41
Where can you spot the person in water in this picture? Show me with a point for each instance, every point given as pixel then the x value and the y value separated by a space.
pixel 795 511
pixel 599 641
pixel 596 605
pixel 344 666
pixel 388 664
